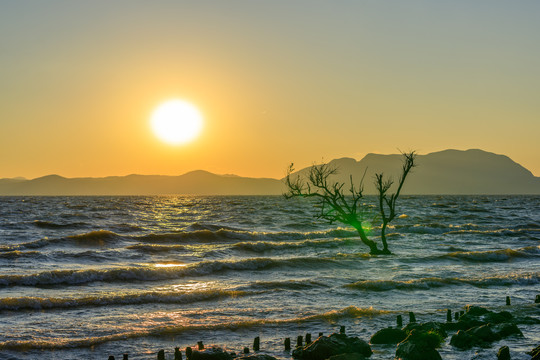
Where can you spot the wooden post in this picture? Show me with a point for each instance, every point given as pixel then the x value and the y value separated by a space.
pixel 246 350
pixel 448 315
pixel 111 357
pixel 342 330
pixel 256 343
pixel 308 338
pixel 461 313
pixel 189 352
pixel 456 315
pixel 508 300
pixel 125 357
pixel 177 354
pixel 537 300
pixel 287 344
pixel 299 341
pixel 503 353
pixel 320 334
pixel 412 318
pixel 399 321
pixel 161 355
pixel 200 345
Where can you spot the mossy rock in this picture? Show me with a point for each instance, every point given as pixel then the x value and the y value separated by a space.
pixel 439 328
pixel 419 345
pixel 388 336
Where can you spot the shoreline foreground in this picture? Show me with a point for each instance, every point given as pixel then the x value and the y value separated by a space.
pixel 474 327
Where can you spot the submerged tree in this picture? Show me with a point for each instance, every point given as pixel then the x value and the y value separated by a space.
pixel 338 205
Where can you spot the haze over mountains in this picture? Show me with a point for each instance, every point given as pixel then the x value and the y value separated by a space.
pixel 443 172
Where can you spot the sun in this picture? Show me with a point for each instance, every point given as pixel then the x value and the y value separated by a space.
pixel 176 122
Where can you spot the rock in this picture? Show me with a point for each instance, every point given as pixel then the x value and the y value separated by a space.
pixel 503 353
pixel 335 344
pixel 351 356
pixel 476 310
pixel 484 333
pixel 462 340
pixel 535 353
pixel 506 329
pixel 419 345
pixel 477 336
pixel 497 318
pixel 257 357
pixel 388 336
pixel 213 353
pixel 439 328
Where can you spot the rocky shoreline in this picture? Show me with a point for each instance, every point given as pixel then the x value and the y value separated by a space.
pixel 474 327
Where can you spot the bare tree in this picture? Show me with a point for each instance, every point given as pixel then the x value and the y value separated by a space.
pixel 347 208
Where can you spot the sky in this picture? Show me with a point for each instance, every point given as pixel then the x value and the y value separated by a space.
pixel 276 82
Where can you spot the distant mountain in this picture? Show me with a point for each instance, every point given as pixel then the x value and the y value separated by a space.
pixel 444 172
pixel 193 183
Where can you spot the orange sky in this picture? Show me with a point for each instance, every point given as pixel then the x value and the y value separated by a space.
pixel 277 82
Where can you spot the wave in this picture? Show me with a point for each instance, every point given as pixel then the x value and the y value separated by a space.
pixel 53 225
pixel 226 234
pixel 38 303
pixel 153 248
pixel 436 282
pixel 93 238
pixel 152 273
pixel 262 246
pixel 16 254
pixel 63 343
pixel 494 255
pixel 286 285
pixel 496 232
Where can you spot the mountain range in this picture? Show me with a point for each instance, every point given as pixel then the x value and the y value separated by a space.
pixel 444 172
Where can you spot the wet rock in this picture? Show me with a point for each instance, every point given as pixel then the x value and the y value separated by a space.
pixel 535 353
pixel 462 340
pixel 484 333
pixel 477 336
pixel 497 318
pixel 439 328
pixel 476 310
pixel 213 353
pixel 388 336
pixel 503 353
pixel 505 330
pixel 419 345
pixel 335 344
pixel 352 356
pixel 257 357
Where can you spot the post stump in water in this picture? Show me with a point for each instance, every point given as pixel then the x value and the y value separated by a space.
pixel 161 355
pixel 287 344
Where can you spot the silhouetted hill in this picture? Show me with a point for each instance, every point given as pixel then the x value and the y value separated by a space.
pixel 193 183
pixel 443 172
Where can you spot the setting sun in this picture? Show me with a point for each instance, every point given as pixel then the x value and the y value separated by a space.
pixel 176 122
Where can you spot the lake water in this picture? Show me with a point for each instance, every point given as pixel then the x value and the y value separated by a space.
pixel 89 277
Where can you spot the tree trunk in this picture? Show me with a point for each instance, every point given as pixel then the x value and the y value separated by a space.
pixel 383 238
pixel 373 250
